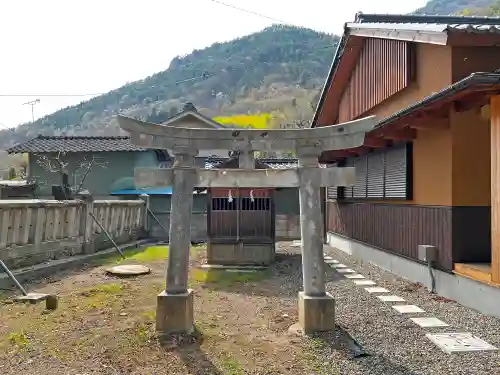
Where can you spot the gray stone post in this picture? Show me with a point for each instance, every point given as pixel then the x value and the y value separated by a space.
pixel 175 306
pixel 246 159
pixel 87 224
pixel 316 307
pixel 146 223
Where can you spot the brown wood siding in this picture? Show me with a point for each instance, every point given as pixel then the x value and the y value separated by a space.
pixel 468 60
pixel 396 228
pixel 495 189
pixel 384 68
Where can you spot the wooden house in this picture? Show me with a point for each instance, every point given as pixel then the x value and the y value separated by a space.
pixel 429 173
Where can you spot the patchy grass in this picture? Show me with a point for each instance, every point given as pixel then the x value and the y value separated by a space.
pixel 105 325
pixel 231 366
pixel 19 339
pixel 223 277
pixel 150 254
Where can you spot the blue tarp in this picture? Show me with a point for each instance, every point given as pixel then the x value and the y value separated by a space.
pixel 157 191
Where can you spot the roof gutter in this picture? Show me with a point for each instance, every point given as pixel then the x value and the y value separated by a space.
pixel 333 69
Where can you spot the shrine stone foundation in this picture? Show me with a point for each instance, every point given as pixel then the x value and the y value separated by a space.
pixel 184 135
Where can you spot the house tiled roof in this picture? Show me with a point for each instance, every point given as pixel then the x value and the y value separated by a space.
pixel 426 23
pixel 44 143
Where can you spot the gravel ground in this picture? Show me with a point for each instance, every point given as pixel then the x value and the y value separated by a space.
pixel 395 345
pixel 245 327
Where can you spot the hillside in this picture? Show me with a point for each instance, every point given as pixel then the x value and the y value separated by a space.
pixel 281 69
pixel 453 6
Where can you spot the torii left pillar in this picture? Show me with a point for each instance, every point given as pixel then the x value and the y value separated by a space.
pixel 174 308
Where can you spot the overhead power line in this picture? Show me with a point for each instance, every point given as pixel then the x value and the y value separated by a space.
pixel 250 12
pixel 199 77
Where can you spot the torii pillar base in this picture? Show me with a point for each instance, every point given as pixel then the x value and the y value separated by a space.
pixel 316 314
pixel 174 313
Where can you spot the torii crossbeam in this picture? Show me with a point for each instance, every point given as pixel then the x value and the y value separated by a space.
pixel 175 304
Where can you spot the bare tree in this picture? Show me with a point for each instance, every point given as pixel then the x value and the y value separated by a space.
pixel 59 165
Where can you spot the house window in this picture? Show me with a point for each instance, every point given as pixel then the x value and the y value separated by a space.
pixel 384 174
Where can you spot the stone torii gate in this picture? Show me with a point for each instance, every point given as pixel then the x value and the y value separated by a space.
pixel 175 304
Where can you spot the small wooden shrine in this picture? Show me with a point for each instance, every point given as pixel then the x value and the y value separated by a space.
pixel 240 223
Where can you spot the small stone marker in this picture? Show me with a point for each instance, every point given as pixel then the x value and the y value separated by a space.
pixel 459 342
pixel 407 309
pixel 429 322
pixel 128 270
pixel 51 301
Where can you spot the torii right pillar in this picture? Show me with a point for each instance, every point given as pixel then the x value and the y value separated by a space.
pixel 495 188
pixel 316 306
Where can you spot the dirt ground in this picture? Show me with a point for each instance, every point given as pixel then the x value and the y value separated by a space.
pixel 105 325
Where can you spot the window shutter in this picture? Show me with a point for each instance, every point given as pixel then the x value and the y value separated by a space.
pixel 348 190
pixel 375 175
pixel 359 190
pixel 396 173
pixel 331 192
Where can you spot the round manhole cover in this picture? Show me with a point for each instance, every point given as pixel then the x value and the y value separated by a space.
pixel 128 270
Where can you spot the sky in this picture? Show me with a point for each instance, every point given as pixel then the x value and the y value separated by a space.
pixel 93 46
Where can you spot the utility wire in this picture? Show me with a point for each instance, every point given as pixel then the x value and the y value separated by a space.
pixel 203 76
pixel 250 12
pixel 200 77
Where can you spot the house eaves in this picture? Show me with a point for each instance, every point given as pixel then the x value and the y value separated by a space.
pixel 430 34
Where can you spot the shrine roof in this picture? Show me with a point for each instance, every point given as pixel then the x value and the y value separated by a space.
pixel 272 163
pixel 42 144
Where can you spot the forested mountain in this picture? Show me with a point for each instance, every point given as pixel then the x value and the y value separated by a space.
pixel 454 6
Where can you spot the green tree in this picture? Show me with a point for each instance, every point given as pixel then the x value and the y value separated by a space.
pixel 12 173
